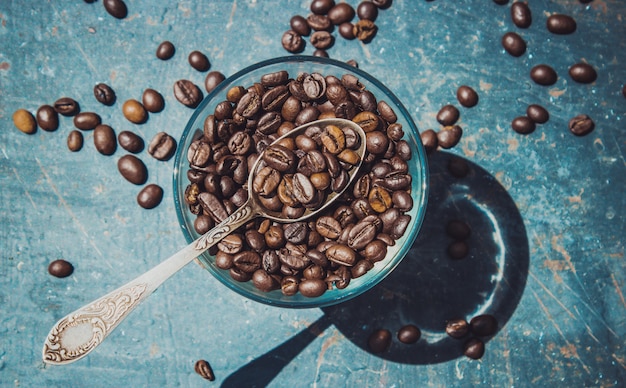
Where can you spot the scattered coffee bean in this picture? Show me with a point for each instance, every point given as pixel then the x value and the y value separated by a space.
pixel 66 106
pixel 162 146
pixel 513 44
pixel 561 24
pixel 352 63
pixel 115 8
pixel 583 73
pixel 322 40
pixel 321 7
pixel 130 141
pixel 203 368
pixel 367 10
pixel 152 101
pixel 458 230
pixel 165 50
pixel 409 334
pixel 458 167
pixel 320 53
pixel 75 141
pixel 150 196
pixel 24 121
pixel 458 250
pixel 543 75
pixel 457 328
pixel 429 140
pixel 134 111
pixel 299 25
pixel 483 325
pixel 449 136
pixel 319 22
pixel 346 30
pixel 132 169
pixel 521 15
pixel 47 118
pixel 187 93
pixel 104 139
pixel 537 113
pixel 60 268
pixel 213 78
pixel 467 96
pixel 341 13
pixel 474 348
pixel 312 288
pixel 292 41
pixel 448 115
pixel 523 125
pixel 364 30
pixel 382 4
pixel 581 125
pixel 104 94
pixel 199 61
pixel 379 340
pixel 87 121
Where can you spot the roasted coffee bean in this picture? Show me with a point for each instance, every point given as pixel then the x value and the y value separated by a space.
pixel 289 285
pixel 312 288
pixel 561 24
pixel 583 73
pixel 150 196
pixel 474 348
pixel 429 140
pixel 239 275
pixel 581 125
pixel 130 141
pixel 60 268
pixel 319 22
pixel 165 50
pixel 537 113
pixel 223 260
pixel 203 368
pixel 134 111
pixel 132 169
pixel 104 94
pixel 382 4
pixel 386 112
pixel 449 136
pixel 367 10
pixel 364 30
pixel 247 261
pixel 199 61
pixel 513 44
pixel 203 224
pixel 86 121
pixel 152 101
pixel 75 141
pixel 104 139
pixel 448 115
pixel 213 206
pixel 115 8
pixel 299 25
pixel 543 75
pixel 523 125
pixel 379 340
pixel 66 106
pixel 467 96
pixel 458 250
pixel 212 79
pixel 409 334
pixel 361 268
pixel 458 229
pixel 521 14
pixel 346 30
pixel 321 7
pixel 341 254
pixel 341 13
pixel 280 158
pixel 483 325
pixel 187 93
pixel 24 121
pixel 162 146
pixel 457 328
pixel 375 250
pixel 264 281
pixel 292 41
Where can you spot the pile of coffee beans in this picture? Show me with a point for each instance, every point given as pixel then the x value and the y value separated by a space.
pixel 479 327
pixel 326 15
pixel 329 249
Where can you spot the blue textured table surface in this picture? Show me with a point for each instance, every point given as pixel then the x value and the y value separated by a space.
pixel 547 209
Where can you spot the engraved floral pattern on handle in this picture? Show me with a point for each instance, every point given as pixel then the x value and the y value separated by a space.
pixel 78 333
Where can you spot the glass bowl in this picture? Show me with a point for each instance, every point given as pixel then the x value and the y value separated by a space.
pixel 418 170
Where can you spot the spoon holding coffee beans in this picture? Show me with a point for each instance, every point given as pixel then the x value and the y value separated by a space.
pixel 280 180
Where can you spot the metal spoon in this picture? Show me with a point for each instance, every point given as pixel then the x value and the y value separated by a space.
pixel 81 331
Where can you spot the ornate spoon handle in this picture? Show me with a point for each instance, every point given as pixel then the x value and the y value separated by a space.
pixel 81 331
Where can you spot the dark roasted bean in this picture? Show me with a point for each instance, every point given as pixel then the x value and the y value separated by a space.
pixel 66 106
pixel 47 118
pixel 581 125
pixel 523 125
pixel 187 93
pixel 379 340
pixel 132 169
pixel 561 24
pixel 537 113
pixel 543 75
pixel 104 139
pixel 583 73
pixel 165 50
pixel 521 14
pixel 150 196
pixel 409 334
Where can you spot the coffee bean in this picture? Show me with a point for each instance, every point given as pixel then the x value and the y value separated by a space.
pixel 187 93
pixel 132 169
pixel 24 121
pixel 152 101
pixel 448 115
pixel 467 96
pixel 379 340
pixel 162 146
pixel 382 4
pixel 66 106
pixel 341 13
pixel 457 328
pixel 501 2
pixel 409 334
pixel 364 30
pixel 60 268
pixel 537 113
pixel 449 136
pixel 130 141
pixel 322 40
pixel 346 30
pixel 47 118
pixel 203 368
pixel 458 229
pixel 483 325
pixel 513 44
pixel 212 79
pixel 543 75
pixel 75 141
pixel 199 61
pixel 561 24
pixel 87 121
pixel 352 62
pixel 581 125
pixel 104 139
pixel 134 111
pixel 319 22
pixel 429 140
pixel 367 10
pixel 523 125
pixel 299 25
pixel 474 348
pixel 321 7
pixel 165 50
pixel 115 8
pixel 583 73
pixel 312 288
pixel 104 94
pixel 292 41
pixel 521 15
pixel 150 196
